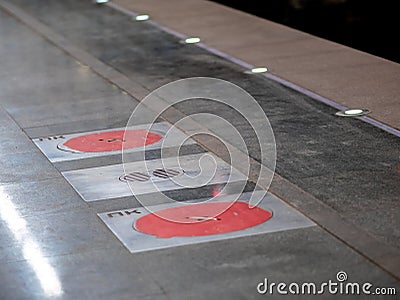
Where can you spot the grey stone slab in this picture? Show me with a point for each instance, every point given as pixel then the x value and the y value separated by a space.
pixel 94 274
pixel 14 142
pixel 26 166
pixel 13 139
pixel 67 232
pixel 122 224
pixel 41 59
pixel 112 29
pixel 10 28
pixel 57 75
pixel 42 197
pixel 308 146
pixel 373 208
pixel 44 62
pixel 116 107
pixel 203 106
pixel 242 132
pixel 42 90
pixel 103 183
pixel 174 68
pixel 231 269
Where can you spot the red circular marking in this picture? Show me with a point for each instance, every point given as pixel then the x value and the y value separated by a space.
pixel 237 217
pixel 112 140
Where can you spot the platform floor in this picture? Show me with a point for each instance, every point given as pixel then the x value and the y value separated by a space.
pixel 347 76
pixel 73 67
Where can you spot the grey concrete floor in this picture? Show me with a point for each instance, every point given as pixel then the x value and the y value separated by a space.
pixel 53 243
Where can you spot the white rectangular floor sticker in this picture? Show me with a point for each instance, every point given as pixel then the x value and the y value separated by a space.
pixel 141 231
pixel 111 182
pixel 107 142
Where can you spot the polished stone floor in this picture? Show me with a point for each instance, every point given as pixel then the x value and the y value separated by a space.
pixel 55 245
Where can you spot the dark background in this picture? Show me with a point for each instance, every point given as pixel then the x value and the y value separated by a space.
pixel 368 25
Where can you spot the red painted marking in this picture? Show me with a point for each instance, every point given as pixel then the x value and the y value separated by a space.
pixel 216 192
pixel 188 219
pixel 112 140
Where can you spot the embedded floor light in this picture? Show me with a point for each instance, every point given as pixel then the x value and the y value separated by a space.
pixel 192 40
pixel 259 70
pixel 353 112
pixel 101 1
pixel 142 17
